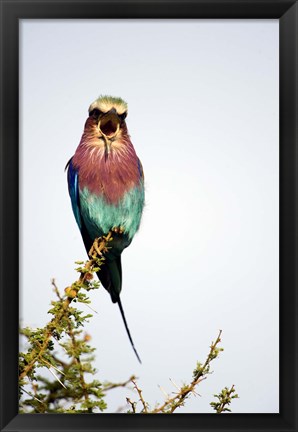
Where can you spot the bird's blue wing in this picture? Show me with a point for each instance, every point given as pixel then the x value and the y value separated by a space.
pixel 73 189
pixel 140 168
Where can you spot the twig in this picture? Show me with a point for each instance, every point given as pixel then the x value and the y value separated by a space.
pixel 171 404
pixel 110 386
pixel 141 396
pixel 224 399
pixel 176 401
pixel 56 290
pixel 132 404
pixel 78 361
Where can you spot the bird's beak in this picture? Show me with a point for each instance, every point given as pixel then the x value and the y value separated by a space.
pixel 109 124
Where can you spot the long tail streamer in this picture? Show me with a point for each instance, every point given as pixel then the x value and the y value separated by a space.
pixel 127 329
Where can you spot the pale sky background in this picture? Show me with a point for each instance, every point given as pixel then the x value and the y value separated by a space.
pixel 203 117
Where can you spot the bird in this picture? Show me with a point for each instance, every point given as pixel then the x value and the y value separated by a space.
pixel 106 187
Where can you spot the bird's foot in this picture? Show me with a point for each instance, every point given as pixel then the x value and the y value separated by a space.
pixel 99 247
pixel 95 248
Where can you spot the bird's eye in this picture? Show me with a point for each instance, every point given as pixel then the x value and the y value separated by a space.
pixel 123 116
pixel 95 113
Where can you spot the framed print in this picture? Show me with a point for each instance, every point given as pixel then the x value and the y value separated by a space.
pixel 166 131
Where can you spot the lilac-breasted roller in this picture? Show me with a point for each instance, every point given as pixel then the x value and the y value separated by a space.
pixel 106 187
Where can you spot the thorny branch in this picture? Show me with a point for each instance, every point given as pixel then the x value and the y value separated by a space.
pixel 145 409
pixel 99 246
pixel 72 374
pixel 172 403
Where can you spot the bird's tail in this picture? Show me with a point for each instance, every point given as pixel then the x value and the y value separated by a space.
pixel 127 329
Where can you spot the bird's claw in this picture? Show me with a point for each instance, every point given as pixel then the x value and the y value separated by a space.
pixel 118 229
pixel 95 248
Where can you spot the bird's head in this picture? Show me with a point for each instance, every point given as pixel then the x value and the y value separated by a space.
pixel 107 120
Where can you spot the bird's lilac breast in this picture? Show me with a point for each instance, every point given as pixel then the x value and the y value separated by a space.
pixel 109 177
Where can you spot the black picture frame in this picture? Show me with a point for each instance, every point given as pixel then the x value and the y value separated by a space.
pixel 14 10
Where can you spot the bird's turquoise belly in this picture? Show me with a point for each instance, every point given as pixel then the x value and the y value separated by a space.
pixel 100 216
